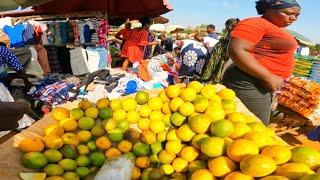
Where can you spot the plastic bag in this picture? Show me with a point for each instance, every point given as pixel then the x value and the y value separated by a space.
pixel 116 169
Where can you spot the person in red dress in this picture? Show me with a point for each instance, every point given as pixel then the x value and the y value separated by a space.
pixel 134 46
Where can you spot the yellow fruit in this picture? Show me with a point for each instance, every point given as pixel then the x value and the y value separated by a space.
pixel 216 98
pixel 142 97
pixel 229 106
pixel 148 137
pixel 307 156
pixel 84 104
pixel 53 142
pixel 196 140
pixel 166 108
pixel 212 146
pixel 175 103
pixel 125 146
pixel 129 104
pixel 215 114
pixel 92 112
pixel 33 176
pixel 83 149
pixel 257 127
pixel 257 165
pixel 189 153
pixel 196 85
pixel 208 91
pixel 167 169
pixel 173 146
pixel 52 155
pixel 260 139
pixel 55 178
pixel 145 111
pixel 227 94
pixel 102 103
pixel 172 134
pixel 156 116
pixel 119 114
pixel 115 104
pixel 144 124
pixel 240 130
pixel 60 113
pixel 177 119
pixel 180 165
pixel 84 136
pixel 251 119
pixel 103 143
pixel 161 137
pixel 199 123
pixel 71 139
pixel 136 174
pixel 280 154
pixel 188 94
pixel 157 126
pixel 311 177
pixel 163 96
pixel 202 174
pixel 76 113
pixel 186 109
pixel 31 145
pixel 34 160
pixel 133 116
pixel 53 170
pixel 166 120
pixel 200 104
pixel 166 157
pixel 55 130
pixel 293 170
pixel 112 153
pixel 237 117
pixel 110 125
pixel 237 176
pixel 98 131
pixel 184 133
pixel 216 104
pixel 221 166
pixel 222 128
pixel 69 124
pixel 155 103
pixel 142 162
pixel 241 148
pixel 86 123
pixel 273 177
pixel 173 91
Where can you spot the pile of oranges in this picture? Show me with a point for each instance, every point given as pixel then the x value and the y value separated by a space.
pixel 183 132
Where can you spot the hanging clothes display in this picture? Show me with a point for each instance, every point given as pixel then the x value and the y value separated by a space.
pixel 42 57
pixel 64 59
pixel 33 67
pixel 102 32
pixel 28 34
pixel 63 33
pixel 79 61
pixel 53 59
pixel 93 59
pixel 15 34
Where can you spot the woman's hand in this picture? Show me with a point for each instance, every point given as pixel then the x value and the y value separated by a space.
pixel 273 82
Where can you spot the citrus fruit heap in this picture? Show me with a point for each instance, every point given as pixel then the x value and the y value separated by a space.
pixel 192 132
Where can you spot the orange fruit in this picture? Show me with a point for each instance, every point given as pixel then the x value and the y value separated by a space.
pixel 142 162
pixel 257 165
pixel 188 94
pixel 241 148
pixel 238 176
pixel 71 139
pixel 129 104
pixel 84 104
pixel 103 143
pixel 180 165
pixel 221 166
pixel 31 145
pixel 186 109
pixel 237 117
pixel 173 91
pixel 166 157
pixel 175 103
pixel 136 174
pixel 53 142
pixel 280 154
pixel 92 112
pixel 208 91
pixel 215 114
pixel 163 96
pixel 202 174
pixel 148 136
pixel 200 104
pixel 112 152
pixel 119 114
pixel 184 133
pixel 125 146
pixel 157 126
pixel 173 146
pixel 60 113
pixel 102 103
pixel 115 104
pixel 155 103
pixel 69 124
pixel 189 153
pixel 196 85
pixel 145 111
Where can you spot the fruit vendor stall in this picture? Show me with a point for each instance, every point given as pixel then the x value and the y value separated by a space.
pixel 197 132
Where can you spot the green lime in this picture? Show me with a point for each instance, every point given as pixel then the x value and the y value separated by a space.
pixel 68 164
pixel 53 170
pixel 71 176
pixel 105 113
pixel 83 172
pixel 97 159
pixel 83 161
pixel 53 155
pixel 91 145
pixel 34 160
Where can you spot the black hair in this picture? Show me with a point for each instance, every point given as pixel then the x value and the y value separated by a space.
pixel 261 7
pixel 3 44
pixel 144 21
pixel 211 26
pixel 179 48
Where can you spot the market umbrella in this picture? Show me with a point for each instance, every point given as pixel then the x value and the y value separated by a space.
pixel 158 27
pixel 301 38
pixel 7 5
pixel 134 24
pixel 173 28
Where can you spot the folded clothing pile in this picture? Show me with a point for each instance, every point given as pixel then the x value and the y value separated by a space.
pixel 303 96
pixel 302 67
pixel 315 71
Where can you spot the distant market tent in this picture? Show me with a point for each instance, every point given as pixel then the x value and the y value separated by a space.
pixel 174 28
pixel 158 27
pixel 301 38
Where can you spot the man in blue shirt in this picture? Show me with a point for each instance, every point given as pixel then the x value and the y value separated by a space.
pixel 210 30
pixel 166 43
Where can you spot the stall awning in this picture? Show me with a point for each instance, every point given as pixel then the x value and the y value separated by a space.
pixel 114 8
pixel 7 5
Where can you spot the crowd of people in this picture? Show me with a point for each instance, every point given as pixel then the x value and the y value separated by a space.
pixel 252 56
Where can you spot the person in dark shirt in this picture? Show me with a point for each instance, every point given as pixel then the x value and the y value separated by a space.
pixel 211 31
pixel 166 43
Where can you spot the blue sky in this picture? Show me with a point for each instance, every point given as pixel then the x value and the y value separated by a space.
pixel 196 12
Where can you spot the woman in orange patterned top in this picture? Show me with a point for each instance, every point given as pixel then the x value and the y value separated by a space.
pixel 263 54
pixel 133 48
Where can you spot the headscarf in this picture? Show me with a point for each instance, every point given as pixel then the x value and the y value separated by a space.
pixel 263 5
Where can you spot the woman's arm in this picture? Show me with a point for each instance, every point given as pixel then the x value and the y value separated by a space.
pixel 118 35
pixel 240 52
